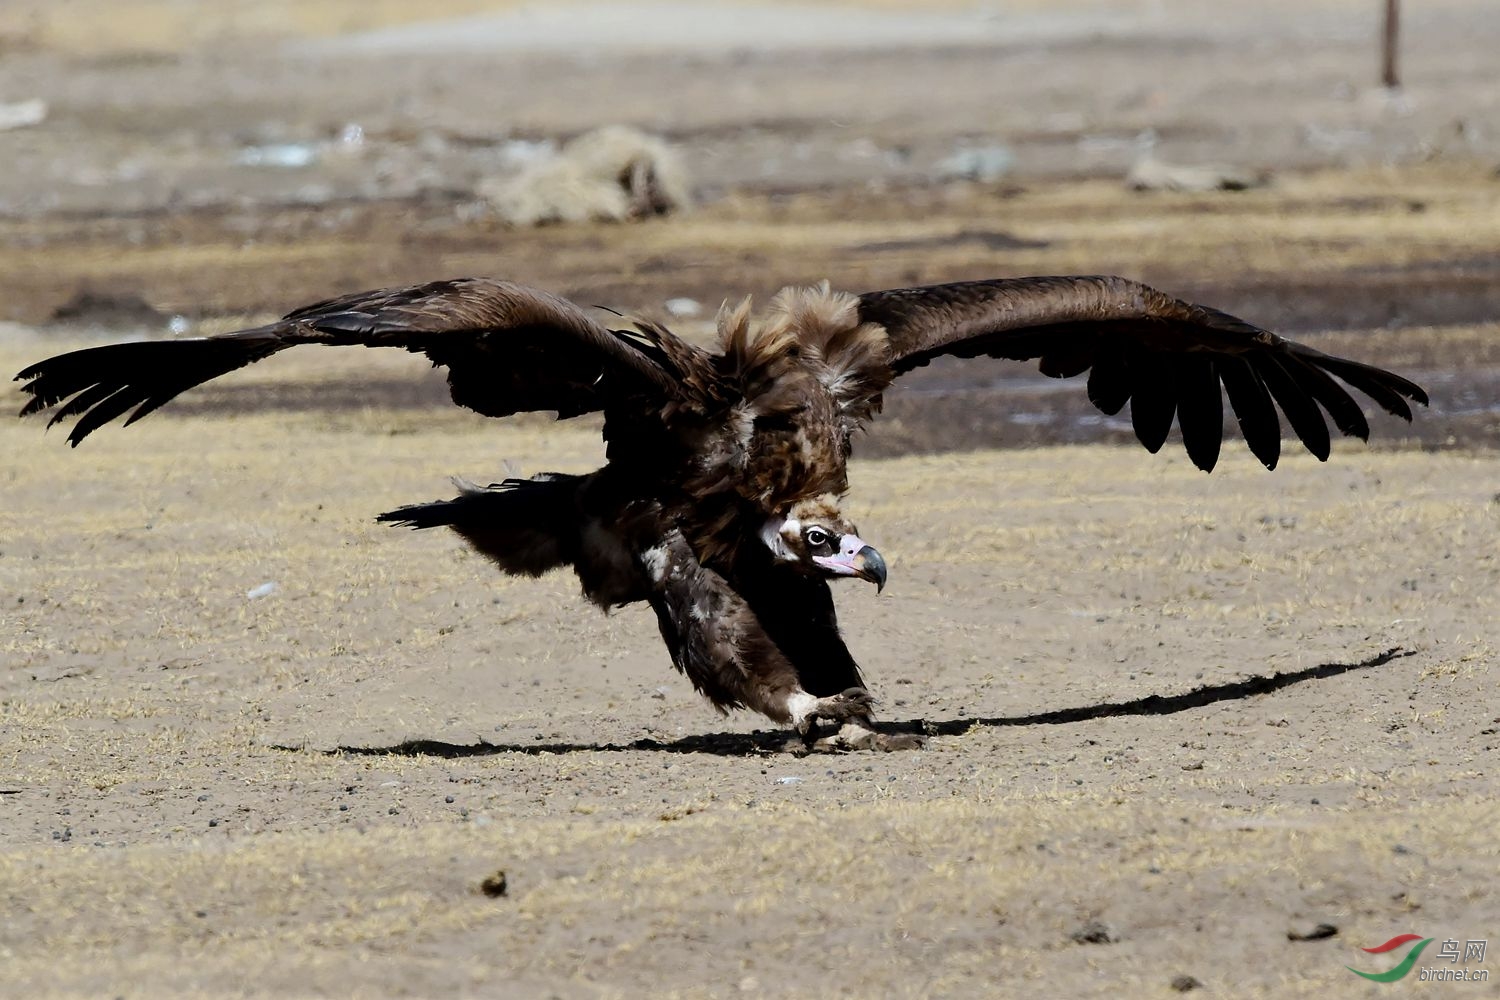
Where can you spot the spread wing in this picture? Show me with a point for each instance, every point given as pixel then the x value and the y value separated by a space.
pixel 1164 356
pixel 508 348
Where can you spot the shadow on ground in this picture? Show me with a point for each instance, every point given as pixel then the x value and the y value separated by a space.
pixel 778 741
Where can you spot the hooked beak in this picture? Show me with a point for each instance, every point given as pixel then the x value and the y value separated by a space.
pixel 855 558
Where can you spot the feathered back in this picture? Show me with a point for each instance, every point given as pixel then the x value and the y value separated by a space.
pixel 753 359
pixel 818 330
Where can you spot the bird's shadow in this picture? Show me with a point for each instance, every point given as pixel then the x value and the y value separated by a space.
pixel 763 742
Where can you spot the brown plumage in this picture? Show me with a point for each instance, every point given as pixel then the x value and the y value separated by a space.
pixel 719 502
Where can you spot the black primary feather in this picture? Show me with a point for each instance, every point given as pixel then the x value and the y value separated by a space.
pixel 1109 384
pixel 1300 409
pixel 1252 407
pixel 1153 402
pixel 1200 409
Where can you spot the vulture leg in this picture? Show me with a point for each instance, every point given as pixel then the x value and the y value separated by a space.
pixel 717 640
pixel 797 613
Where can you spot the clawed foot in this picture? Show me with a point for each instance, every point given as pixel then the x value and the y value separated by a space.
pixel 854 736
pixel 850 711
pixel 852 705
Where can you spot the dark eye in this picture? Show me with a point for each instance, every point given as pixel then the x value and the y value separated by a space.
pixel 816 537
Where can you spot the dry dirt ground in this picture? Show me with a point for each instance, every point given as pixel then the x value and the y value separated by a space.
pixel 1175 722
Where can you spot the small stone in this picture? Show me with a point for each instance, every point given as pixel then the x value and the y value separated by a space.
pixel 1184 983
pixel 495 886
pixel 1094 932
pixel 1318 933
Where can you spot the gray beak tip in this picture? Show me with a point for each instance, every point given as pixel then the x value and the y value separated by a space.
pixel 871 566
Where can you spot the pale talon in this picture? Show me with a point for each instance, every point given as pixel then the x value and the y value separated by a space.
pixel 854 736
pixel 850 707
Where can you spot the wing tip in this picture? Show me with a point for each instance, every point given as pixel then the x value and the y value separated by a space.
pixel 1417 395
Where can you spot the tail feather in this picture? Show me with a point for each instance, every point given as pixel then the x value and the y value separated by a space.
pixel 526 526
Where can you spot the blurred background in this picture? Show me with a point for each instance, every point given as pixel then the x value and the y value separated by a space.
pixel 178 167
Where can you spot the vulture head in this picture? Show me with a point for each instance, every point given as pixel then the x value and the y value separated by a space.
pixel 815 537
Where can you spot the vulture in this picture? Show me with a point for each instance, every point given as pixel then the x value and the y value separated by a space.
pixel 719 503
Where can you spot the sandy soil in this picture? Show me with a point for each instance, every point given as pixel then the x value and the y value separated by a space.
pixel 1159 701
pixel 1175 722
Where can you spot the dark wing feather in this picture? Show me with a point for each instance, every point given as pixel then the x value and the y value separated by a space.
pixel 508 349
pixel 1346 414
pixel 1109 383
pixel 1164 356
pixel 104 382
pixel 1200 409
pixel 1252 406
pixel 1301 409
pixel 1153 403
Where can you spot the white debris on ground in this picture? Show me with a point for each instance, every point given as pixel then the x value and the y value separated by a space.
pixel 264 590
pixel 349 141
pixel 683 308
pixel 611 174
pixel 1151 174
pixel 287 155
pixel 985 164
pixel 527 152
pixel 22 114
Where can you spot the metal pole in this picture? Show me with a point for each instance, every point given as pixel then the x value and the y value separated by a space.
pixel 1388 73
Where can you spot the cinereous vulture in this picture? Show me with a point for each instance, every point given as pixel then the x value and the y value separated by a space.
pixel 719 502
